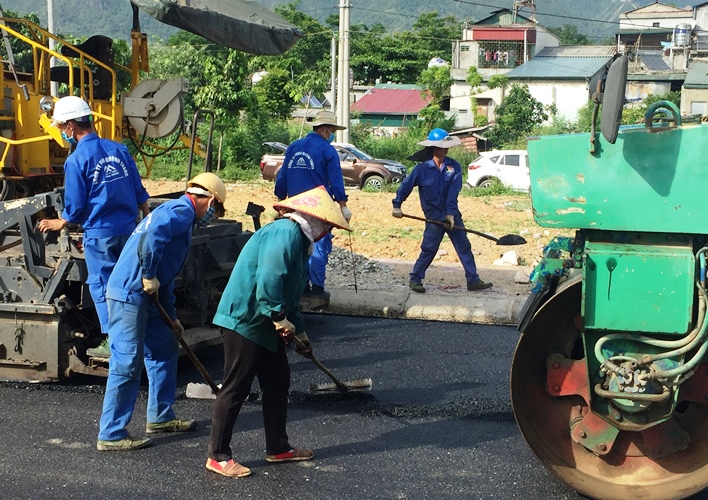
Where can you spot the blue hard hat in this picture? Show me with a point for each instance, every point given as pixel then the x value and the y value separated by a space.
pixel 437 134
pixel 439 137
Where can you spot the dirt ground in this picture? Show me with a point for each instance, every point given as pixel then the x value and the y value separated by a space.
pixel 379 236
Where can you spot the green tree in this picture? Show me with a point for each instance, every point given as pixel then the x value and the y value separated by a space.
pixel 272 94
pixel 437 81
pixel 568 34
pixel 516 116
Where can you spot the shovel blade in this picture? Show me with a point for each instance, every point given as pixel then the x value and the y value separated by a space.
pixel 511 239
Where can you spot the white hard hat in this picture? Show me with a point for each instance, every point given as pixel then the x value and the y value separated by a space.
pixel 70 108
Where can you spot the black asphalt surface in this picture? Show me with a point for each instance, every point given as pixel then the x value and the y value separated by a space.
pixel 437 425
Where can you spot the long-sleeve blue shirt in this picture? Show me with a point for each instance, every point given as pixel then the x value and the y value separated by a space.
pixel 102 188
pixel 438 188
pixel 266 283
pixel 310 162
pixel 157 248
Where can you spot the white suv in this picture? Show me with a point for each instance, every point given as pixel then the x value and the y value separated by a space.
pixel 510 167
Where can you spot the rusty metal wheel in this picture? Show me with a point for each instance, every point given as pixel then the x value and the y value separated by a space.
pixel 545 420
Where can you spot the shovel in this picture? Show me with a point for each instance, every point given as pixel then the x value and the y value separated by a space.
pixel 187 349
pixel 509 239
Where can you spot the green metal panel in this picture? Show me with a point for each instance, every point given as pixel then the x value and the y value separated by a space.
pixel 381 120
pixel 653 182
pixel 638 288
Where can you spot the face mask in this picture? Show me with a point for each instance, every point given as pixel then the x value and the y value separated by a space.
pixel 331 138
pixel 68 139
pixel 208 217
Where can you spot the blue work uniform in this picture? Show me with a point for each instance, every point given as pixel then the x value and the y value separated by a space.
pixel 311 162
pixel 102 193
pixel 438 189
pixel 137 334
pixel 265 285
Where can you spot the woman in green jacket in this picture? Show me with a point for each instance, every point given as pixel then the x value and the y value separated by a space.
pixel 259 313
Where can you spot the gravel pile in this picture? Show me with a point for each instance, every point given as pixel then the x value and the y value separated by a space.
pixel 343 265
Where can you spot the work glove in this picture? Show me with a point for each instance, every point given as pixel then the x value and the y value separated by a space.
pixel 151 285
pixel 449 221
pixel 347 213
pixel 306 350
pixel 397 213
pixel 178 328
pixel 286 329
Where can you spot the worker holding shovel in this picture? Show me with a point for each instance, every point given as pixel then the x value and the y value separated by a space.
pixel 138 335
pixel 439 181
pixel 259 313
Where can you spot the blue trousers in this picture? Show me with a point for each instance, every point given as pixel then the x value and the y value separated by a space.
pixel 319 258
pixel 432 236
pixel 101 255
pixel 138 337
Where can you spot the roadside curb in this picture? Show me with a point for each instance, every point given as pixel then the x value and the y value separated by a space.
pixel 460 308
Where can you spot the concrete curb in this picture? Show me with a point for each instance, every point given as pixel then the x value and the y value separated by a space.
pixel 460 308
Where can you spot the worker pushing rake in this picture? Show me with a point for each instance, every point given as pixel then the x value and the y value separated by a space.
pixel 259 314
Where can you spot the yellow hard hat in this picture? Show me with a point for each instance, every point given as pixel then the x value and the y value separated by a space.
pixel 211 183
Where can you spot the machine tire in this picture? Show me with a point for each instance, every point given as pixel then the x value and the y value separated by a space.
pixel 544 420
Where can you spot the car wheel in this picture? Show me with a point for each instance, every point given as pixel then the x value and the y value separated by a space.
pixel 374 182
pixel 488 182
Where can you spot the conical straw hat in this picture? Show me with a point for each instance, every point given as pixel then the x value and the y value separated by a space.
pixel 318 203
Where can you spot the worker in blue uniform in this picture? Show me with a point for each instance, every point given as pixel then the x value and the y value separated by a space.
pixel 259 313
pixel 439 181
pixel 102 193
pixel 310 162
pixel 149 263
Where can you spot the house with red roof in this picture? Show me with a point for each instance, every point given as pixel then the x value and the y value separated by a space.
pixel 390 106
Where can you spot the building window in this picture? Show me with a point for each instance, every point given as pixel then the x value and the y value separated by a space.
pixel 698 108
pixel 500 54
pixel 461 111
pixel 464 48
pixel 655 25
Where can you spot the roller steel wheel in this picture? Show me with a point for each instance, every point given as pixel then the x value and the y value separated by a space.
pixel 626 471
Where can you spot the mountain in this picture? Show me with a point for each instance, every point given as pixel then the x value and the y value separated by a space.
pixel 114 17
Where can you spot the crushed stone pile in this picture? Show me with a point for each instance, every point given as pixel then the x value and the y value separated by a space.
pixel 344 265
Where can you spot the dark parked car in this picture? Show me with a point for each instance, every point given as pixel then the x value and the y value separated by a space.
pixel 358 168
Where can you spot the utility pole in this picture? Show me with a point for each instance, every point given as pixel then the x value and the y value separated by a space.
pixel 343 91
pixel 52 43
pixel 333 76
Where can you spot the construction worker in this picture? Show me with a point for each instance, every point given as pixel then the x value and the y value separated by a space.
pixel 439 181
pixel 148 265
pixel 310 162
pixel 259 313
pixel 102 193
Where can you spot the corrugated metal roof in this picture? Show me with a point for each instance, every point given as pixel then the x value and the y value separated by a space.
pixel 559 68
pixel 391 101
pixel 697 77
pixel 578 51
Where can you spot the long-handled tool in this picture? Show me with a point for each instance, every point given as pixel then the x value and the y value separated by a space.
pixel 360 385
pixel 196 393
pixel 509 239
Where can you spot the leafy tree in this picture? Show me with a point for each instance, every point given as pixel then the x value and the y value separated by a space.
pixel 437 81
pixel 516 116
pixel 568 34
pixel 308 62
pixel 272 94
